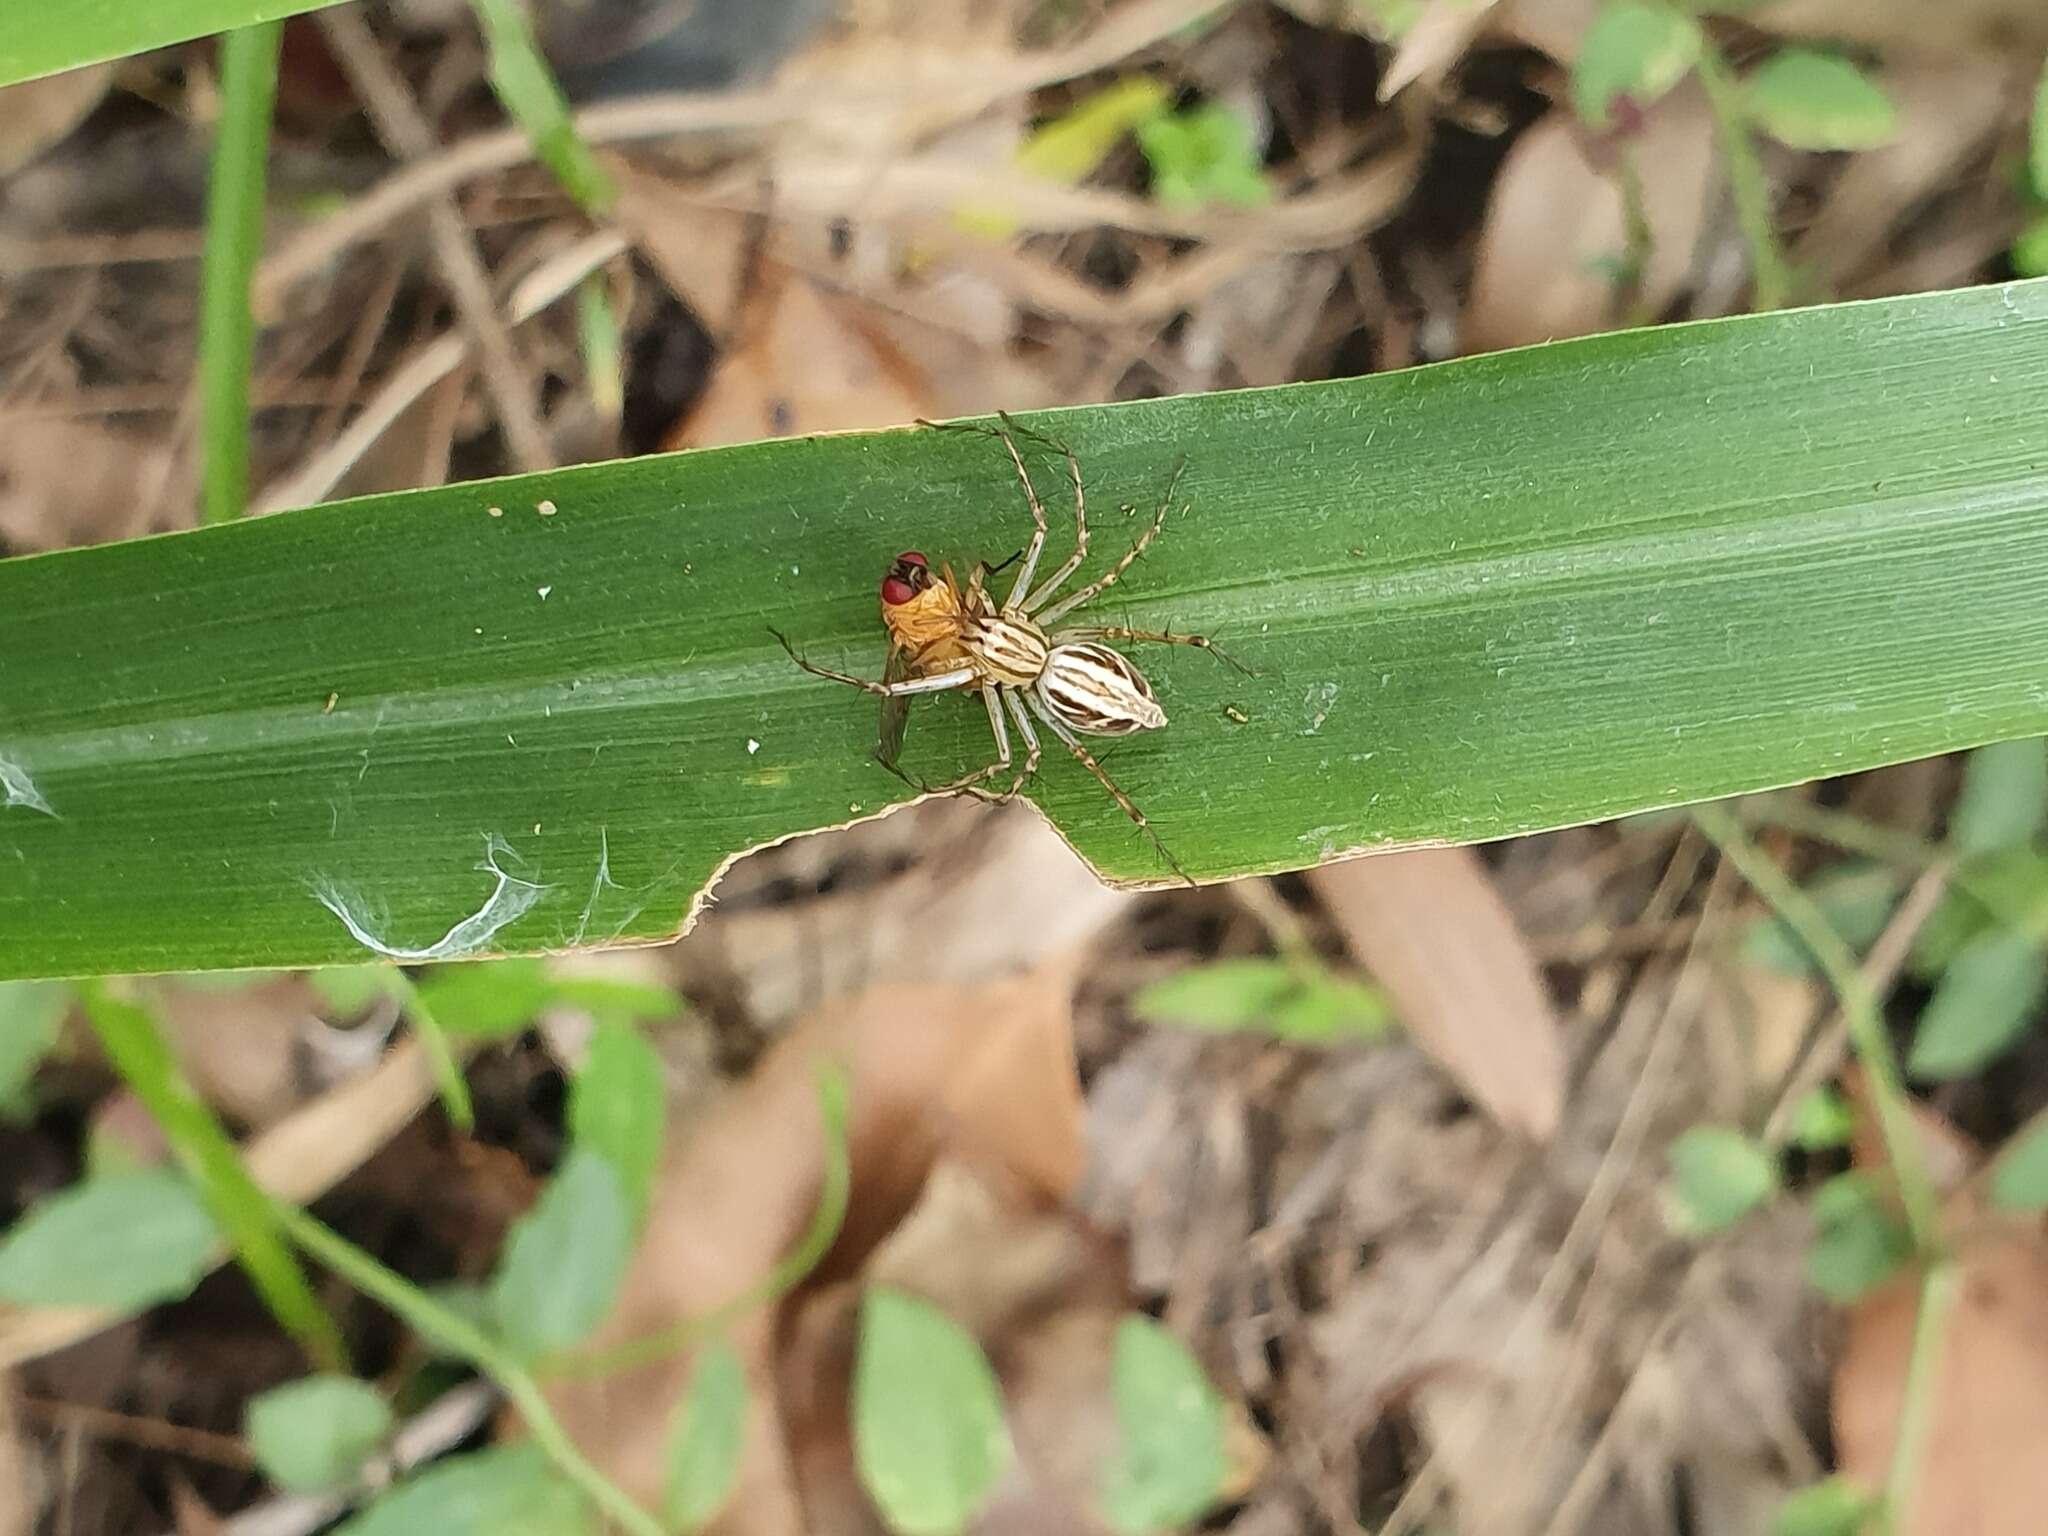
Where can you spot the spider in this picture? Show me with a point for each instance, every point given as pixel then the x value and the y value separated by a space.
pixel 945 637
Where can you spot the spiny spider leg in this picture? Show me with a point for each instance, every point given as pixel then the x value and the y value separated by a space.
pixel 1108 578
pixel 1160 637
pixel 938 682
pixel 968 782
pixel 1037 544
pixel 1129 807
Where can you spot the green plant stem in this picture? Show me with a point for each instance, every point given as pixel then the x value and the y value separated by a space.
pixel 138 1051
pixel 1873 1046
pixel 1855 835
pixel 234 234
pixel 1772 278
pixel 835 1181
pixel 448 1078
pixel 1939 1285
pixel 458 1335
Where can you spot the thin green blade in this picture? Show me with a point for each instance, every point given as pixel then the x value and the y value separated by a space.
pixel 1494 596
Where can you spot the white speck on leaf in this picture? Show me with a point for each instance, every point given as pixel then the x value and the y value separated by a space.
pixel 495 511
pixel 544 591
pixel 545 508
pixel 753 746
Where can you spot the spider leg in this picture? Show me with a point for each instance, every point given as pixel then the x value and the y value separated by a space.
pixel 1045 589
pixel 1124 801
pixel 1037 545
pixel 968 783
pixel 1108 578
pixel 938 682
pixel 1119 632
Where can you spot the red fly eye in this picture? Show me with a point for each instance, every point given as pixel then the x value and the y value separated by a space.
pixel 912 557
pixel 896 590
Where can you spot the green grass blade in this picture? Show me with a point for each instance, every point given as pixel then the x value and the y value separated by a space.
pixel 68 33
pixel 234 236
pixel 1485 598
pixel 133 1043
pixel 527 88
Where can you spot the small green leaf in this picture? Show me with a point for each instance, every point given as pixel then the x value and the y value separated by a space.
pixel 928 1431
pixel 1822 1119
pixel 1856 899
pixel 1813 100
pixel 2013 880
pixel 1858 1243
pixel 1718 1176
pixel 1981 1006
pixel 562 1262
pixel 609 997
pixel 1633 49
pixel 509 1490
pixel 348 990
pixel 616 1108
pixel 1170 1463
pixel 125 1242
pixel 2019 1179
pixel 483 999
pixel 1203 155
pixel 1073 144
pixel 30 1014
pixel 315 1432
pixel 704 1440
pixel 1832 1507
pixel 1223 995
pixel 1325 1009
pixel 2004 799
pixel 1289 1000
pixel 2029 253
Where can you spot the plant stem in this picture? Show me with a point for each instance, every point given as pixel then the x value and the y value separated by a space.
pixel 448 1078
pixel 1796 910
pixel 457 1334
pixel 1771 278
pixel 234 235
pixel 138 1051
pixel 1938 1287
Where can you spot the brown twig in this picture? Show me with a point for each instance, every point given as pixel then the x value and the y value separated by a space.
pixel 407 134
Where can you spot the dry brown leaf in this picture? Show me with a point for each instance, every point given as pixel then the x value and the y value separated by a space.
pixel 1022 897
pixel 1433 931
pixel 1555 224
pixel 1434 41
pixel 36 114
pixel 1949 111
pixel 700 251
pixel 1956 26
pixel 240 1049
pixel 927 1064
pixel 76 481
pixel 16 1516
pixel 1985 1466
pixel 806 361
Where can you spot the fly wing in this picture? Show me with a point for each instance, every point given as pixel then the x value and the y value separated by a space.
pixel 895 711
